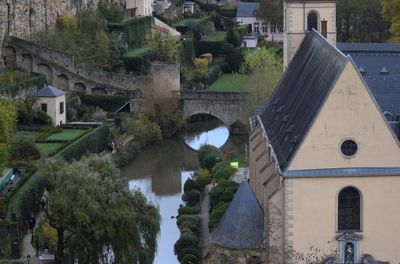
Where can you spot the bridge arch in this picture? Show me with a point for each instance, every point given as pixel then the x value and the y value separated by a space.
pixel 9 56
pixel 62 82
pixel 27 62
pixel 221 118
pixel 99 91
pixel 45 69
pixel 80 87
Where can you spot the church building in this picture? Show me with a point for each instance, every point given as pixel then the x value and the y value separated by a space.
pixel 324 151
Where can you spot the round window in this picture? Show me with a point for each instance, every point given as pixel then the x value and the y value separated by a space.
pixel 349 147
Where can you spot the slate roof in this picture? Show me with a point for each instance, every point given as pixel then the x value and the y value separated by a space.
pixel 300 94
pixel 242 225
pixel 49 91
pixel 245 9
pixel 373 57
pixel 386 90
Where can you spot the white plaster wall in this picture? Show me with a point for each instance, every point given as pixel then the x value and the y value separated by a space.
pixel 53 108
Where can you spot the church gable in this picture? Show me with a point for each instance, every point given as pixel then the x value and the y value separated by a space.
pixel 349 131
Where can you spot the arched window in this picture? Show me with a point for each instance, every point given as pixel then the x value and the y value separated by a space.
pixel 312 21
pixel 349 204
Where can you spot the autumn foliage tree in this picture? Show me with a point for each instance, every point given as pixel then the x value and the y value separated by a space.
pixel 391 13
pixel 8 112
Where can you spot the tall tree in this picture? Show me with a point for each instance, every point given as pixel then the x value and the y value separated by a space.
pixel 360 21
pixel 8 112
pixel 97 218
pixel 391 13
pixel 271 11
pixel 264 70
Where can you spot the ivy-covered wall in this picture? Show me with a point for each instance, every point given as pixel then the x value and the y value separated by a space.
pixel 135 30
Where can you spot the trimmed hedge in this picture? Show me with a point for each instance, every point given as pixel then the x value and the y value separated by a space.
pixel 216 214
pixel 106 102
pixel 188 51
pixel 188 210
pixel 223 192
pixel 93 142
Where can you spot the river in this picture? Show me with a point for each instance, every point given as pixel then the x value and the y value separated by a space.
pixel 161 170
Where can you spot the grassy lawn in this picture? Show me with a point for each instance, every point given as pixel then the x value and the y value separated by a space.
pixel 229 83
pixel 32 135
pixel 67 134
pixel 185 21
pixel 216 36
pixel 47 148
pixel 138 52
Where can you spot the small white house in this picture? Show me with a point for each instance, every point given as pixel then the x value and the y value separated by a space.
pixel 52 101
pixel 246 15
pixel 138 8
pixel 189 7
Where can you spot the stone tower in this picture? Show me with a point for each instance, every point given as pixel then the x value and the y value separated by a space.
pixel 301 16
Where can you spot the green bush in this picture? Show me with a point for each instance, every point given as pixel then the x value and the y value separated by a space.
pixel 144 130
pixel 222 174
pixel 186 240
pixel 126 154
pixel 222 164
pixel 186 251
pixel 192 222
pixel 191 185
pixel 203 177
pixel 216 214
pixel 191 197
pixel 25 149
pixel 233 58
pixel 188 52
pixel 209 155
pixel 223 192
pixel 190 259
pixel 188 210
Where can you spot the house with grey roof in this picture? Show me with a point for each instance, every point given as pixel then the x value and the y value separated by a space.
pixel 246 15
pixel 52 101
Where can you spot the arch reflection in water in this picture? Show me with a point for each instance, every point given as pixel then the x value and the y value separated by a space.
pixel 212 132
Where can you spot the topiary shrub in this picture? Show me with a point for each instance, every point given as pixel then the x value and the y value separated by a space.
pixel 191 185
pixel 216 214
pixel 209 156
pixel 188 210
pixel 222 174
pixel 191 197
pixel 223 192
pixel 186 251
pixel 189 259
pixel 191 222
pixel 203 177
pixel 222 164
pixel 187 240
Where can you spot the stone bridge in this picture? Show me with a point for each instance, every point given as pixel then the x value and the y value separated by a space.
pixel 226 106
pixel 60 71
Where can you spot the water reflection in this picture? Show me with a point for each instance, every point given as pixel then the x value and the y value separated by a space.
pixel 160 171
pixel 212 132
